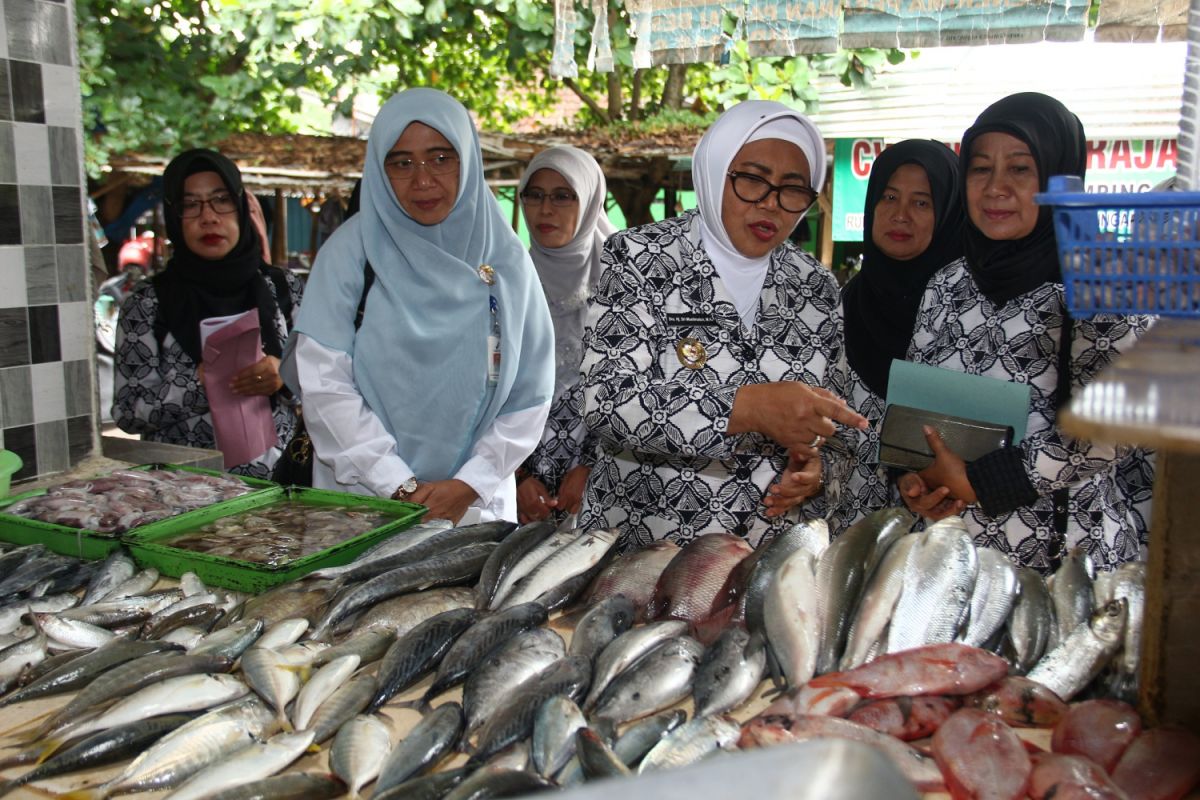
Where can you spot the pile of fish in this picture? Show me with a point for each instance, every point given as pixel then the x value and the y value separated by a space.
pixel 280 532
pixel 125 499
pixel 882 636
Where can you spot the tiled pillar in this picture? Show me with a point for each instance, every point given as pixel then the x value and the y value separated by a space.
pixel 47 351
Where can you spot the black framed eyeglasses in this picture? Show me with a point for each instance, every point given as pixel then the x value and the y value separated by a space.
pixel 224 203
pixel 793 198
pixel 406 168
pixel 560 198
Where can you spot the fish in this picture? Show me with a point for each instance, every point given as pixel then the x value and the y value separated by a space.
pixel 253 762
pixel 401 614
pixel 231 641
pixel 404 539
pixel 476 642
pixel 359 750
pixel 320 687
pixel 369 646
pixel 125 611
pixel 1056 775
pixel 11 614
pixel 627 648
pixel 82 671
pixel 513 721
pixel 418 652
pixel 906 718
pixel 809 700
pixel 1068 668
pixel 1161 763
pixel 842 572
pixel 70 633
pixel 992 598
pixel 282 633
pixel 512 549
pixel 1019 702
pixel 949 668
pixel 640 737
pixel 102 748
pixel 692 741
pixel 456 566
pixel 1031 623
pixel 554 727
pixel 867 635
pixel 570 590
pixel 980 756
pixel 505 670
pixel 350 699
pixel 939 579
pixel 659 679
pixel 306 599
pixel 17 658
pixel 528 562
pixel 203 616
pixel 498 782
pixel 690 585
pixel 141 582
pixel 810 535
pixel 729 672
pixel 287 786
pixel 1071 591
pixel 569 561
pixel 1129 582
pixel 423 748
pixel 633 575
pixel 35 570
pixel 596 759
pixel 273 678
pixel 440 542
pixel 1099 730
pixel 793 618
pixel 604 621
pixel 428 787
pixel 117 568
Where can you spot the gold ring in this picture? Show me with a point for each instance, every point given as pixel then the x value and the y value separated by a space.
pixel 816 442
pixel 259 379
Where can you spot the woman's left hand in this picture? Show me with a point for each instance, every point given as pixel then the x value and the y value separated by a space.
pixel 800 480
pixel 570 491
pixel 947 469
pixel 258 378
pixel 447 499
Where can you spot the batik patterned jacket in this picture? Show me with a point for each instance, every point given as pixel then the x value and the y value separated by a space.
pixel 958 328
pixel 157 392
pixel 869 486
pixel 665 466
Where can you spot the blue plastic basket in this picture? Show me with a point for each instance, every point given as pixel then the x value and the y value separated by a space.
pixel 1127 253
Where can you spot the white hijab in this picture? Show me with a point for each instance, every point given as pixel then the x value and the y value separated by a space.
pixel 569 274
pixel 746 122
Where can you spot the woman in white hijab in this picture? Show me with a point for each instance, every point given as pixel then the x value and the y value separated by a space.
pixel 714 361
pixel 562 193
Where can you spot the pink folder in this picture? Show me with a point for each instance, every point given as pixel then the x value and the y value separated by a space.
pixel 243 425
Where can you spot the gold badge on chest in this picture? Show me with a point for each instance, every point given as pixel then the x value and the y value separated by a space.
pixel 691 353
pixel 487 274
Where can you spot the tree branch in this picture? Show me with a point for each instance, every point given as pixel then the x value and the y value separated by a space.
pixel 587 101
pixel 635 99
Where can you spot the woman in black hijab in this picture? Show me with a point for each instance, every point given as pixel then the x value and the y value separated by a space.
pixel 1001 313
pixel 912 224
pixel 217 270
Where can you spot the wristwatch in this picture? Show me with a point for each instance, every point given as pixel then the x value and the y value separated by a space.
pixel 405 489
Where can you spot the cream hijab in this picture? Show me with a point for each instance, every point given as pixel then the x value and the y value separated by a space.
pixel 569 274
pixel 744 123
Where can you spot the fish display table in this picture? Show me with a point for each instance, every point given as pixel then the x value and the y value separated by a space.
pixel 1151 397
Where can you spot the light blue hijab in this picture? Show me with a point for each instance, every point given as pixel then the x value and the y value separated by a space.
pixel 420 357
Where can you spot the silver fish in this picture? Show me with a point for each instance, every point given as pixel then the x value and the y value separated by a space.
pixel 626 649
pixel 11 614
pixel 401 614
pixel 691 742
pixel 528 563
pixel 658 680
pixel 348 700
pixel 792 618
pixel 251 763
pixel 359 750
pixel 484 636
pixel 424 746
pixel 369 646
pixel 71 634
pixel 641 736
pixel 186 636
pixel 596 759
pixel 1068 668
pixel 729 672
pixel 1031 623
pixel 286 786
pixel 191 584
pixel 185 693
pixel 115 570
pixel 397 543
pixel 320 687
pixel 810 535
pixel 231 641
pixel 516 662
pixel 554 729
pixel 842 572
pixel 1130 584
pixel 992 599
pixel 17 658
pixel 516 756
pixel 273 678
pixel 110 613
pixel 282 633
pixel 1071 590
pixel 938 580
pixel 510 552
pixel 563 564
pixel 139 583
pixel 603 622
pixel 878 603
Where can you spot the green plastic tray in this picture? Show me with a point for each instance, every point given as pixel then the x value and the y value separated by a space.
pixel 83 543
pixel 148 548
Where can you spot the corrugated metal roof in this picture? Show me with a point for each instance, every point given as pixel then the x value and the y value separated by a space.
pixel 1119 91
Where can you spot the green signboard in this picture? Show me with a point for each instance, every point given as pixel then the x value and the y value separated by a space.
pixel 1113 165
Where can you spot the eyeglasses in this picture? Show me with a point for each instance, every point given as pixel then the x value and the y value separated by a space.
pixel 793 198
pixel 220 203
pixel 559 199
pixel 405 169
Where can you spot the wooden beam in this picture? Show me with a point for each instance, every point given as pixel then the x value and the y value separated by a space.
pixel 279 236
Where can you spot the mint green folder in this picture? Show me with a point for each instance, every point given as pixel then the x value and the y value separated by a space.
pixel 959 394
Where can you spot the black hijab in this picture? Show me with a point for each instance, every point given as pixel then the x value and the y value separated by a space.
pixel 1004 270
pixel 880 303
pixel 192 288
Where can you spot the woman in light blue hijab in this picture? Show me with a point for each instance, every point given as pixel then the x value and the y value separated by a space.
pixel 445 387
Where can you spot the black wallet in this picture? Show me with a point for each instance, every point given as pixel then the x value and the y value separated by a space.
pixel 902 437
